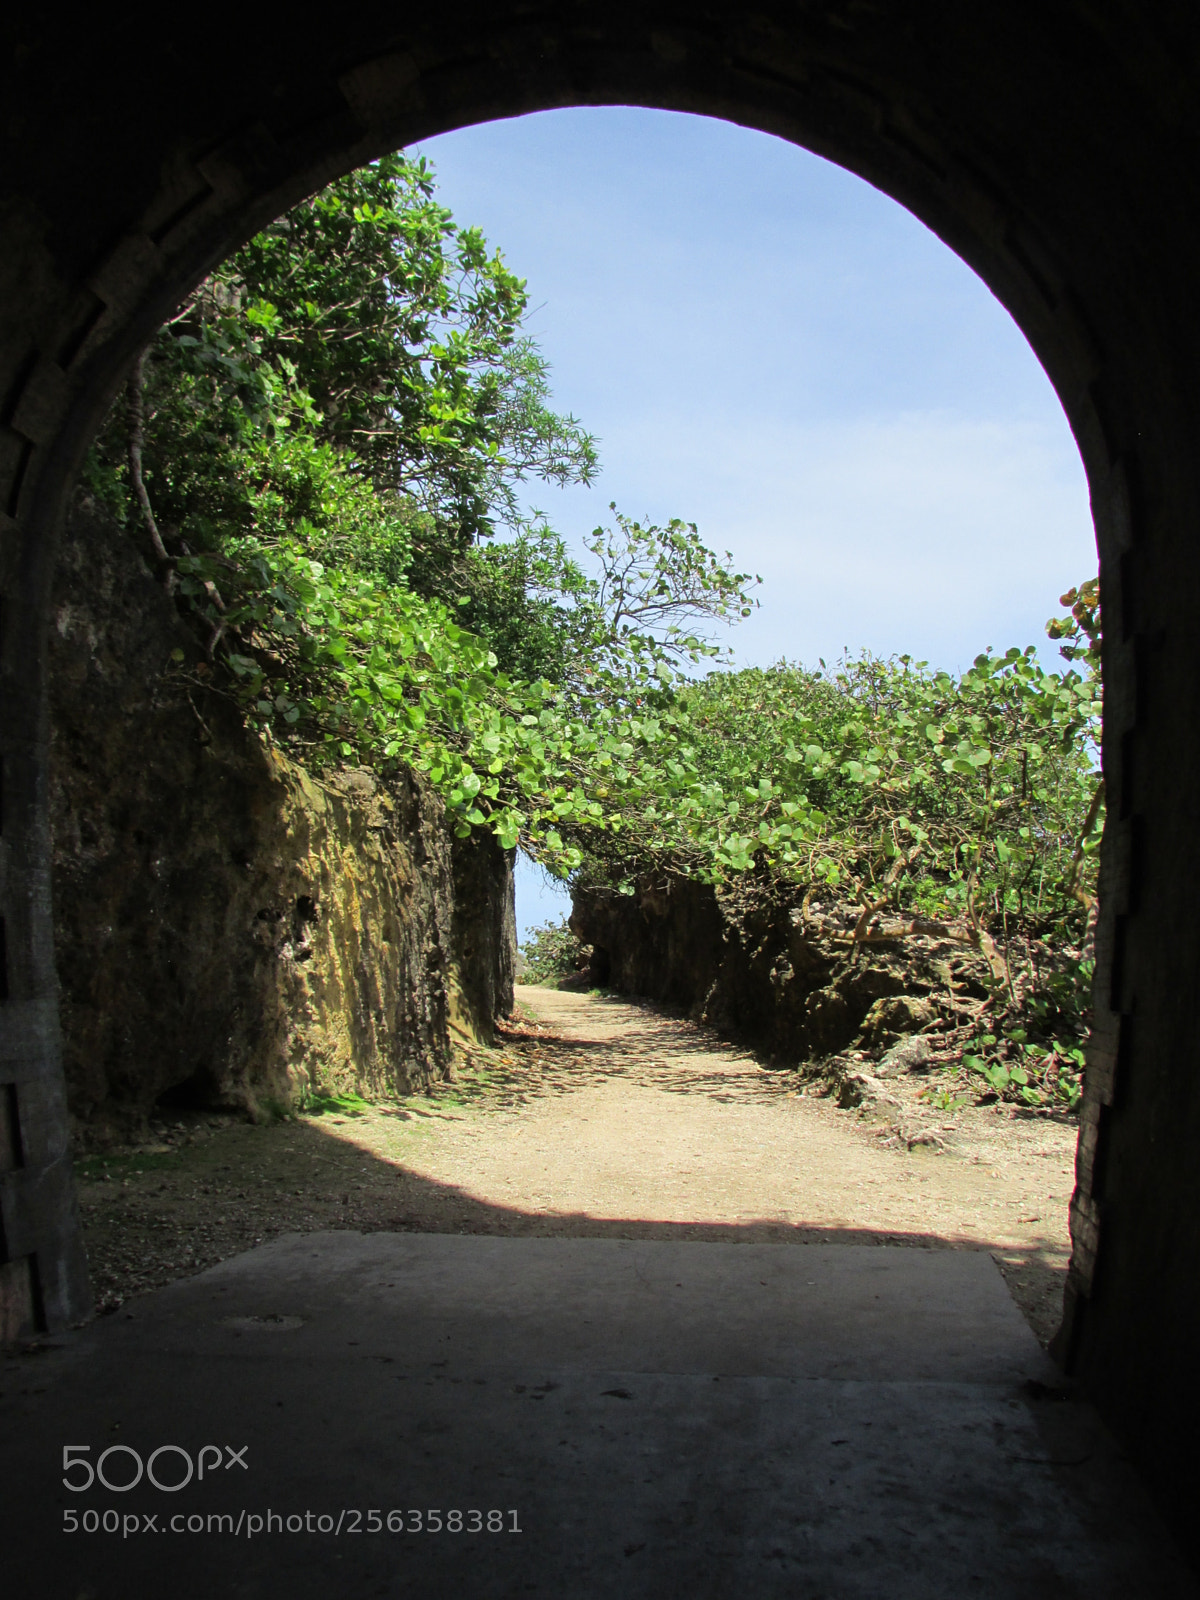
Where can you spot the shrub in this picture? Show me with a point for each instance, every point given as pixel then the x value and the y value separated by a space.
pixel 552 952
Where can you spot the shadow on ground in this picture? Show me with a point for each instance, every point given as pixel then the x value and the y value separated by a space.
pixel 403 1414
pixel 151 1218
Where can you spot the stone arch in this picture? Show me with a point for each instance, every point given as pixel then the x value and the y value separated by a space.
pixel 1053 147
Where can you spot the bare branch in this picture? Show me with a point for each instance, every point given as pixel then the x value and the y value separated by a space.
pixel 1074 888
pixel 871 909
pixel 137 442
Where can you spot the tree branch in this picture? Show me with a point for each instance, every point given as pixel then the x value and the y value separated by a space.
pixel 1086 900
pixel 872 908
pixel 137 441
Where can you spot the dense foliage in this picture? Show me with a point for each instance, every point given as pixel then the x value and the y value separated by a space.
pixel 953 793
pixel 322 453
pixel 317 450
pixel 353 381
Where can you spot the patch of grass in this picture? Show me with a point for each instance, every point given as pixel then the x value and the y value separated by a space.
pixel 943 1099
pixel 93 1168
pixel 317 1104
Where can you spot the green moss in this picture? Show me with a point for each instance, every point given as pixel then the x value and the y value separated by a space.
pixel 316 1103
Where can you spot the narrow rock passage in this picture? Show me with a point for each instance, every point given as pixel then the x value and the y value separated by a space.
pixel 602 1117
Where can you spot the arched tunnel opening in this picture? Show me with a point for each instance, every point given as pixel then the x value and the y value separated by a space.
pixel 1041 157
pixel 147 967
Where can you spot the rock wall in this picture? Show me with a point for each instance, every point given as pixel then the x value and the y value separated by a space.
pixel 230 930
pixel 785 979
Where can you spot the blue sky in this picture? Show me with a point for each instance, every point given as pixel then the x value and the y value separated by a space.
pixel 767 346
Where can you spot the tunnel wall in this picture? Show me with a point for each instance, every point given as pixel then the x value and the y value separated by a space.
pixel 1055 147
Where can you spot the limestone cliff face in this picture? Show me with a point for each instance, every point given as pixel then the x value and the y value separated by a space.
pixel 230 930
pixel 785 978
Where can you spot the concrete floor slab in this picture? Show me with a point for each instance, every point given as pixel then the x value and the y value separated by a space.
pixel 656 1418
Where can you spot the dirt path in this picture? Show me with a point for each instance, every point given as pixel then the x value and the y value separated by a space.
pixel 602 1118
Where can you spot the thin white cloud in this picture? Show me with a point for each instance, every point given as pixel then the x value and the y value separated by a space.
pixel 926 532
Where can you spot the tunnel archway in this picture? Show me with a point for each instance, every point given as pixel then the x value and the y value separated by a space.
pixel 1055 150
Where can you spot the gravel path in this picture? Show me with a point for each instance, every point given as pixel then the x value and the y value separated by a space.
pixel 601 1117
